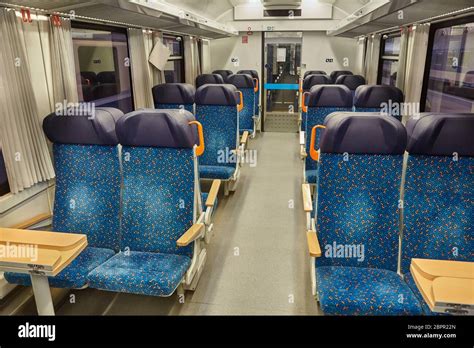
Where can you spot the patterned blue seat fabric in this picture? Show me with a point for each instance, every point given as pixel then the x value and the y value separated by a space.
pixel 206 79
pixel 438 211
pixel 369 98
pixel 224 73
pixel 357 216
pixel 216 109
pixel 336 73
pixel 254 75
pixel 87 196
pixel 309 81
pixel 323 100
pixel 245 84
pixel 174 96
pixel 158 204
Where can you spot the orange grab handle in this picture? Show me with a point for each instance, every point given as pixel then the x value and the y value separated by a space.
pixel 301 86
pixel 241 104
pixel 255 89
pixel 200 147
pixel 312 151
pixel 303 106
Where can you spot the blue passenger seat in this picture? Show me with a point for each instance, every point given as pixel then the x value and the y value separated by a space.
pixel 254 75
pixel 336 73
pixel 322 101
pixel 439 195
pixel 357 218
pixel 308 82
pixel 313 72
pixel 205 79
pixel 159 196
pixel 376 98
pixel 87 196
pixel 174 96
pixel 351 82
pixel 245 84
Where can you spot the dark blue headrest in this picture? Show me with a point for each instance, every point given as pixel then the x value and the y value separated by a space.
pixel 330 96
pixel 106 77
pixel 351 81
pixel 241 80
pixel 335 74
pixel 315 79
pixel 363 133
pixel 217 95
pixel 314 72
pixel 369 96
pixel 157 128
pixel 173 93
pixel 223 73
pixel 75 127
pixel 205 79
pixel 252 73
pixel 441 134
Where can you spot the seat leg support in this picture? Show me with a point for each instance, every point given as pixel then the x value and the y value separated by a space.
pixel 43 299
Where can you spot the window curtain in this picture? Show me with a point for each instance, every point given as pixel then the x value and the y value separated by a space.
pixel 416 57
pixel 359 66
pixel 152 40
pixel 191 59
pixel 372 59
pixel 206 56
pixel 23 143
pixel 62 62
pixel 141 78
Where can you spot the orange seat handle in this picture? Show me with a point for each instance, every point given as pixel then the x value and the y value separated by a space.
pixel 240 106
pixel 255 89
pixel 312 151
pixel 301 86
pixel 200 148
pixel 303 106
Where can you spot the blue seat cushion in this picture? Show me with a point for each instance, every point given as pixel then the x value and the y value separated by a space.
pixel 74 275
pixel 143 273
pixel 411 284
pixel 311 176
pixel 203 199
pixel 216 172
pixel 364 291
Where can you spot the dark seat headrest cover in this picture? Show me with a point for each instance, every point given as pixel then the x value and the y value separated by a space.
pixel 350 81
pixel 330 96
pixel 157 128
pixel 252 73
pixel 106 77
pixel 241 80
pixel 210 94
pixel 363 133
pixel 174 93
pixel 441 134
pixel 205 79
pixel 223 73
pixel 315 79
pixel 314 72
pixel 73 126
pixel 336 73
pixel 370 96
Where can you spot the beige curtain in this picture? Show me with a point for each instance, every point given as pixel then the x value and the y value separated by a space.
pixel 152 39
pixel 206 57
pixel 23 143
pixel 372 59
pixel 416 57
pixel 402 59
pixel 359 66
pixel 191 59
pixel 62 62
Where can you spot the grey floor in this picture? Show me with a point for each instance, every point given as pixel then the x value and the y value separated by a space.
pixel 257 259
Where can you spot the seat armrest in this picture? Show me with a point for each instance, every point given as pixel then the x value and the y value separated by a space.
pixel 245 137
pixel 302 138
pixel 190 235
pixel 33 221
pixel 307 201
pixel 211 198
pixel 313 244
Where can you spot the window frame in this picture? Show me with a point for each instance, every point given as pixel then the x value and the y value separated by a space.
pixel 433 28
pixel 382 57
pixel 178 58
pixel 4 190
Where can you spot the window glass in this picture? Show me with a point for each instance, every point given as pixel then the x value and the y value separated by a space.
pixel 4 187
pixel 392 46
pixel 174 68
pixel 389 56
pixel 450 85
pixel 101 59
pixel 174 44
pixel 389 72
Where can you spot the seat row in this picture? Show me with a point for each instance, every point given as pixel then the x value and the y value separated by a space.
pixel 370 215
pixel 131 184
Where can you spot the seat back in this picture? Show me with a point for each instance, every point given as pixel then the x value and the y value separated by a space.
pixel 106 77
pixel 205 79
pixel 224 73
pixel 313 72
pixel 336 73
pixel 174 96
pixel 351 81
pixel 323 100
pixel 359 179
pixel 159 176
pixel 245 84
pixel 377 98
pixel 90 77
pixel 87 196
pixel 216 109
pixel 439 195
pixel 254 75
pixel 314 80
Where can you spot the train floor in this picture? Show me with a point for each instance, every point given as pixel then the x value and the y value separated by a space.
pixel 257 259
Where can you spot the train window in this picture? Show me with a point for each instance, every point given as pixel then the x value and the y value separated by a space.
pixel 389 60
pixel 4 187
pixel 449 82
pixel 102 65
pixel 174 68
